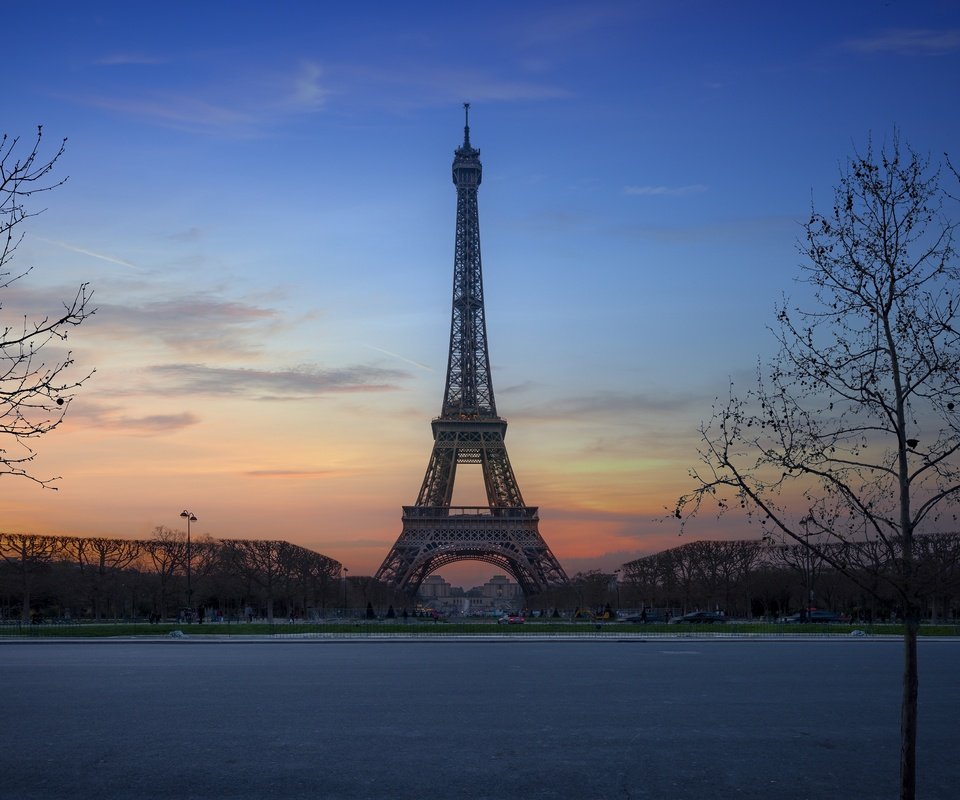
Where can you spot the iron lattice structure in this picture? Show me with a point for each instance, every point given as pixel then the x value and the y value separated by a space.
pixel 504 533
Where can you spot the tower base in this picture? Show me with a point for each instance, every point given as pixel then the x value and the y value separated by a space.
pixel 508 538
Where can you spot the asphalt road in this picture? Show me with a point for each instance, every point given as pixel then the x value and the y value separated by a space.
pixel 666 719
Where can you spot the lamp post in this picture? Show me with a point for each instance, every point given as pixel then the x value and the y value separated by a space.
pixel 344 573
pixel 189 517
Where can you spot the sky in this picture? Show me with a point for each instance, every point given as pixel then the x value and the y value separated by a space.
pixel 260 197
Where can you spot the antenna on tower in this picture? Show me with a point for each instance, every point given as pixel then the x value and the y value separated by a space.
pixel 466 124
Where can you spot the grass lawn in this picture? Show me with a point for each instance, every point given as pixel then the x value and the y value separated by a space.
pixel 442 628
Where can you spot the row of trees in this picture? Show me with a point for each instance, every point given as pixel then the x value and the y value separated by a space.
pixel 100 577
pixel 754 578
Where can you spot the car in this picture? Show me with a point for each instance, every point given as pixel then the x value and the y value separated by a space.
pixel 700 618
pixel 511 619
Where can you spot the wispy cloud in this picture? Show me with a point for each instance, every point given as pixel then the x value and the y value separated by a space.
pixel 290 384
pixel 292 473
pixel 153 423
pixel 101 417
pixel 238 106
pixel 181 111
pixel 564 25
pixel 736 229
pixel 908 42
pixel 413 87
pixel 607 404
pixel 191 234
pixel 595 515
pixel 520 388
pixel 198 325
pixel 309 93
pixel 666 191
pixel 247 104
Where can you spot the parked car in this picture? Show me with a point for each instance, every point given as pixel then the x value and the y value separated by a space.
pixel 511 619
pixel 700 618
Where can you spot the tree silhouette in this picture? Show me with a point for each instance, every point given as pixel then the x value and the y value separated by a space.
pixel 34 390
pixel 851 434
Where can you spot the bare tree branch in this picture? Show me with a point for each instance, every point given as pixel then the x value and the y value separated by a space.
pixel 34 393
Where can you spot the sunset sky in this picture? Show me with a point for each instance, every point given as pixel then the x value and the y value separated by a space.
pixel 260 196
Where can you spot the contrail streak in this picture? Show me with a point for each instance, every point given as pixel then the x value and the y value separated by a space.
pixel 90 253
pixel 402 358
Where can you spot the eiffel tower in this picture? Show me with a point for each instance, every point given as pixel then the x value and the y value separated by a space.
pixel 469 431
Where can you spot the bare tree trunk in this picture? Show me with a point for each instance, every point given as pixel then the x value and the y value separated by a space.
pixel 908 710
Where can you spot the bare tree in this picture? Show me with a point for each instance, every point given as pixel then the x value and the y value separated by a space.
pixel 34 391
pixel 101 557
pixel 681 573
pixel 592 588
pixel 938 570
pixel 262 563
pixel 807 563
pixel 725 565
pixel 28 554
pixel 311 574
pixel 852 425
pixel 165 552
pixel 641 579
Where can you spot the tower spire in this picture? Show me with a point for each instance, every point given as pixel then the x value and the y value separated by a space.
pixel 466 126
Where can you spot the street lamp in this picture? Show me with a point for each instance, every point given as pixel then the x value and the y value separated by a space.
pixel 189 517
pixel 344 572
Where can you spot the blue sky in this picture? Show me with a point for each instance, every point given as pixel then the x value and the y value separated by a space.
pixel 260 196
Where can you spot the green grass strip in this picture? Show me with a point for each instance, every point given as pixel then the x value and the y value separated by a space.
pixel 441 628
